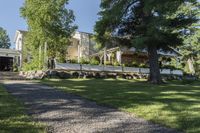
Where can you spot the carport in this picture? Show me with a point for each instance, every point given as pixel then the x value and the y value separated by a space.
pixel 9 57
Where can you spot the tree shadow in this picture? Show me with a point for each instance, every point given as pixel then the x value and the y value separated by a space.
pixel 13 118
pixel 173 105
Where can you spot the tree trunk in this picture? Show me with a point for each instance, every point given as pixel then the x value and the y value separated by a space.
pixel 155 76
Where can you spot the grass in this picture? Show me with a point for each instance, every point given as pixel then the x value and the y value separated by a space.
pixel 174 105
pixel 13 118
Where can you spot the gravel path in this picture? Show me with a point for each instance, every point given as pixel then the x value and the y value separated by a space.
pixel 67 113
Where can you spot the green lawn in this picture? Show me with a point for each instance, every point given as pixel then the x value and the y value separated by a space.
pixel 174 104
pixel 13 118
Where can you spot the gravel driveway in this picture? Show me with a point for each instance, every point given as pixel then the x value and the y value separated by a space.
pixel 67 113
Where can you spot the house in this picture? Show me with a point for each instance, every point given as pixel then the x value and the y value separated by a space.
pixel 83 46
pixel 12 57
pixel 19 40
pixel 131 56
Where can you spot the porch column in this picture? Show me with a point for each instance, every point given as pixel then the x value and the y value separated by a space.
pixel 101 60
pixel 105 55
pixel 21 60
pixel 78 53
pixel 109 57
pixel 45 56
pixel 119 57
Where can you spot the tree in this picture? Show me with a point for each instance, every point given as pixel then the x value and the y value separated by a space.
pixel 191 50
pixel 49 22
pixel 149 24
pixel 4 39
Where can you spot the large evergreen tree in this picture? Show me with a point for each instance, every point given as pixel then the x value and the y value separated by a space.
pixel 49 22
pixel 4 39
pixel 191 51
pixel 150 24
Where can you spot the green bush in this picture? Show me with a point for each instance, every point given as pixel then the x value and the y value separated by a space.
pixel 74 61
pixel 33 65
pixel 84 61
pixel 108 63
pixel 142 65
pixel 15 67
pixel 94 61
pixel 116 63
pixel 134 64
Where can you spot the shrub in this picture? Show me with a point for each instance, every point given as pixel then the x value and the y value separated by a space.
pixel 84 61
pixel 108 63
pixel 33 65
pixel 15 68
pixel 116 63
pixel 94 61
pixel 142 65
pixel 134 64
pixel 74 61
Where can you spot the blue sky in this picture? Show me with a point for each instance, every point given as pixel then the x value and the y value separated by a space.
pixel 84 10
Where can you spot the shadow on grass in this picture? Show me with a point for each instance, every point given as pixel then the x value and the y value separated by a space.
pixel 174 105
pixel 56 108
pixel 13 118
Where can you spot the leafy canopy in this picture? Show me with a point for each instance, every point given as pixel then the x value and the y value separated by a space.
pixel 49 22
pixel 4 39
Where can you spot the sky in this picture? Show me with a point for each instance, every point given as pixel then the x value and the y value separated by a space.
pixel 84 10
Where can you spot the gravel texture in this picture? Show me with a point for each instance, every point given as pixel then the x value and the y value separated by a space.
pixel 67 113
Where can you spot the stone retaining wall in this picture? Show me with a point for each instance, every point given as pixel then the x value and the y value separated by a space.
pixel 61 74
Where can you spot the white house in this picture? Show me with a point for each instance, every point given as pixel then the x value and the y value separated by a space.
pixel 18 40
pixel 82 46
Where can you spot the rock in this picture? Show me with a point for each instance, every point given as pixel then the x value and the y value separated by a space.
pixel 64 75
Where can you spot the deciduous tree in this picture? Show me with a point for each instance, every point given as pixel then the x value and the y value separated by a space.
pixel 49 22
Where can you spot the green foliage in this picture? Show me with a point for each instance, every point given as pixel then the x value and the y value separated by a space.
pixel 36 62
pixel 15 67
pixel 116 63
pixel 145 22
pixel 108 63
pixel 191 48
pixel 49 22
pixel 94 61
pixel 142 65
pixel 135 64
pixel 13 116
pixel 150 24
pixel 75 61
pixel 4 39
pixel 84 61
pixel 33 58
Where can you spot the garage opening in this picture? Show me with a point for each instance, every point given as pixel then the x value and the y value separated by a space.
pixel 6 63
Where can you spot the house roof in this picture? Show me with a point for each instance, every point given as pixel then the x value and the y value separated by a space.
pixel 8 52
pixel 17 34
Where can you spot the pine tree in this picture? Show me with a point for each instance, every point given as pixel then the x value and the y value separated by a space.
pixel 4 39
pixel 150 24
pixel 191 50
